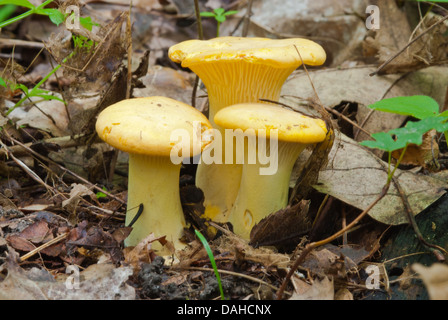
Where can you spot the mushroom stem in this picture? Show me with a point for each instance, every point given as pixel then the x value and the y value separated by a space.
pixel 154 182
pixel 228 83
pixel 261 195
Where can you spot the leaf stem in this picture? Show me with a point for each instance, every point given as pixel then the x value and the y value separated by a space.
pixel 391 174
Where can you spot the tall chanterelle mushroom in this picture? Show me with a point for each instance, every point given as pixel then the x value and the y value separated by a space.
pixel 264 192
pixel 237 70
pixel 143 128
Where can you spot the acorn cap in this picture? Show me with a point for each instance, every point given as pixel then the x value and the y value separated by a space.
pixel 279 53
pixel 292 126
pixel 144 125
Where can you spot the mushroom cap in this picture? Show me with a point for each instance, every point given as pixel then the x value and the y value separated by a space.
pixel 292 126
pixel 279 53
pixel 144 125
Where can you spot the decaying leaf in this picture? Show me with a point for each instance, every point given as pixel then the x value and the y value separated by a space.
pixel 319 290
pixel 76 193
pixel 142 252
pixel 282 226
pixel 390 39
pixel 97 282
pixel 435 278
pixel 356 177
pixel 355 85
pixel 424 155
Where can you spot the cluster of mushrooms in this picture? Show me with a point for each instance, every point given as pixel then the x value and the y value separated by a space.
pixel 237 73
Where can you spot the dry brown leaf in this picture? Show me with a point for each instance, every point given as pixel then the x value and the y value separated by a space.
pixel 282 227
pixel 38 232
pixel 319 290
pixel 20 243
pixel 343 294
pixel 142 252
pixel 354 85
pixel 97 282
pixel 435 279
pixel 356 176
pixel 424 155
pixel 395 33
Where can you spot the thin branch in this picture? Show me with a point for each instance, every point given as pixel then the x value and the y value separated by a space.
pixel 381 67
pixel 246 21
pixel 38 155
pixel 311 246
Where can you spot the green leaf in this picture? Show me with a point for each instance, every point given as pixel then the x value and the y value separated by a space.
pixel 219 11
pixel 407 135
pixel 383 141
pixel 56 16
pixel 207 14
pixel 228 13
pixel 23 88
pixel 44 94
pixel 100 195
pixel 415 129
pixel 2 82
pixel 6 11
pixel 87 23
pixel 21 3
pixel 419 107
pixel 220 19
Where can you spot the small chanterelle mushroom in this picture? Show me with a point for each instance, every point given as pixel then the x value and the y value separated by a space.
pixel 238 70
pixel 275 138
pixel 148 129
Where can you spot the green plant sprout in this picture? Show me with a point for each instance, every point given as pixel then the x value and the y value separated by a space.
pixel 53 14
pixel 212 260
pixel 100 194
pixel 220 15
pixel 427 110
pixel 423 108
pixel 419 106
pixel 57 18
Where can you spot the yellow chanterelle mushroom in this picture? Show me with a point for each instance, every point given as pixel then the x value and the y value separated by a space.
pixel 238 70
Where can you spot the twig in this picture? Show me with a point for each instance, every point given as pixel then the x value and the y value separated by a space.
pixel 308 248
pixel 45 245
pixel 236 274
pixel 435 249
pixel 198 20
pixel 338 114
pixel 129 52
pixel 66 170
pixel 381 67
pixel 62 142
pixel 21 43
pixel 246 21
pixel 25 168
pixel 201 37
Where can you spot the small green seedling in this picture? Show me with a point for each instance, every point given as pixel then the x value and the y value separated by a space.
pixel 57 17
pixel 212 260
pixel 53 14
pixel 220 15
pixel 419 107
pixel 423 108
pixel 100 194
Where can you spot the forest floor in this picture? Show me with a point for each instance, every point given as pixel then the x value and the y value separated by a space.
pixel 63 191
